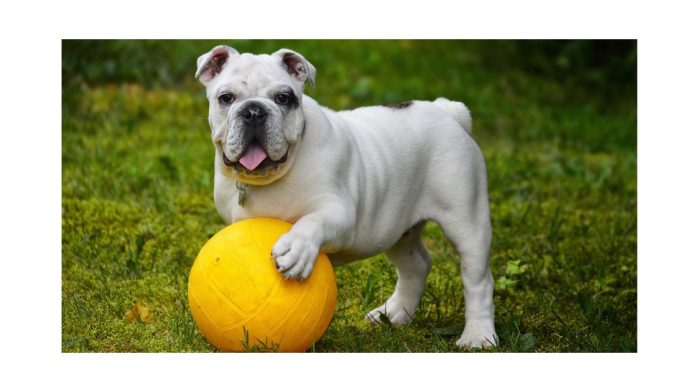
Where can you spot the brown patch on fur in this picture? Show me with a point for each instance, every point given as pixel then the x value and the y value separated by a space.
pixel 399 105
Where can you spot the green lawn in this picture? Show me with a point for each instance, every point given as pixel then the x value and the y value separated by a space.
pixel 555 120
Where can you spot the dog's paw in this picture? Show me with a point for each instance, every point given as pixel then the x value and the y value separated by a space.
pixel 478 334
pixel 397 311
pixel 295 256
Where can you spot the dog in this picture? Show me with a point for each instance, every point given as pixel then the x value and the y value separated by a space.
pixel 353 183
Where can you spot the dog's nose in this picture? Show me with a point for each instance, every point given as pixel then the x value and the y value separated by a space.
pixel 254 114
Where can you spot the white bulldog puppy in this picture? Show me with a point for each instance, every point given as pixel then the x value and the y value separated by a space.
pixel 353 183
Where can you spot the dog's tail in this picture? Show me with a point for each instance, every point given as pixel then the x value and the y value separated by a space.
pixel 457 110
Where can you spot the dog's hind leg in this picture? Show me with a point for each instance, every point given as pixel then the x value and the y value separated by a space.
pixel 469 230
pixel 412 262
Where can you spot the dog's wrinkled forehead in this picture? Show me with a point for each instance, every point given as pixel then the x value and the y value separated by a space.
pixel 254 72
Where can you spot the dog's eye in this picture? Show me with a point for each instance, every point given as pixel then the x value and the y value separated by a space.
pixel 226 99
pixel 282 99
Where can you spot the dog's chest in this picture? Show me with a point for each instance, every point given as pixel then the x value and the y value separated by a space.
pixel 236 201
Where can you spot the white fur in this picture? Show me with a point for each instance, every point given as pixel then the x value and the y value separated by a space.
pixel 364 181
pixel 457 110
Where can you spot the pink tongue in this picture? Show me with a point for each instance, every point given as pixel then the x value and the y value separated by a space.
pixel 253 156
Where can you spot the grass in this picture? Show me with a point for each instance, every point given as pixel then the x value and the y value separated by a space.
pixel 555 120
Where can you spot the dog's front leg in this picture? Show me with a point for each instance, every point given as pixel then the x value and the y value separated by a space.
pixel 329 228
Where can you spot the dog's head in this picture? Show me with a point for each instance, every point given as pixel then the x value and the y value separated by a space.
pixel 255 111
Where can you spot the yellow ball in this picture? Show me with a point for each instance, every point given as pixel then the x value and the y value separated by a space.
pixel 240 301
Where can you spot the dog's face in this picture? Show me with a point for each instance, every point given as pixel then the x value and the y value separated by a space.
pixel 255 111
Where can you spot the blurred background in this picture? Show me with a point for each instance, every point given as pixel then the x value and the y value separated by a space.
pixel 490 76
pixel 555 119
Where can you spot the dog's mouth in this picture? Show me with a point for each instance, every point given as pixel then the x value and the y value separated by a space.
pixel 254 160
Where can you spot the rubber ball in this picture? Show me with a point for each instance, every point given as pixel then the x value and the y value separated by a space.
pixel 240 302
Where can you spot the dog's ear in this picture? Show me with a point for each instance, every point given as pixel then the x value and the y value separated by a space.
pixel 211 63
pixel 296 65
